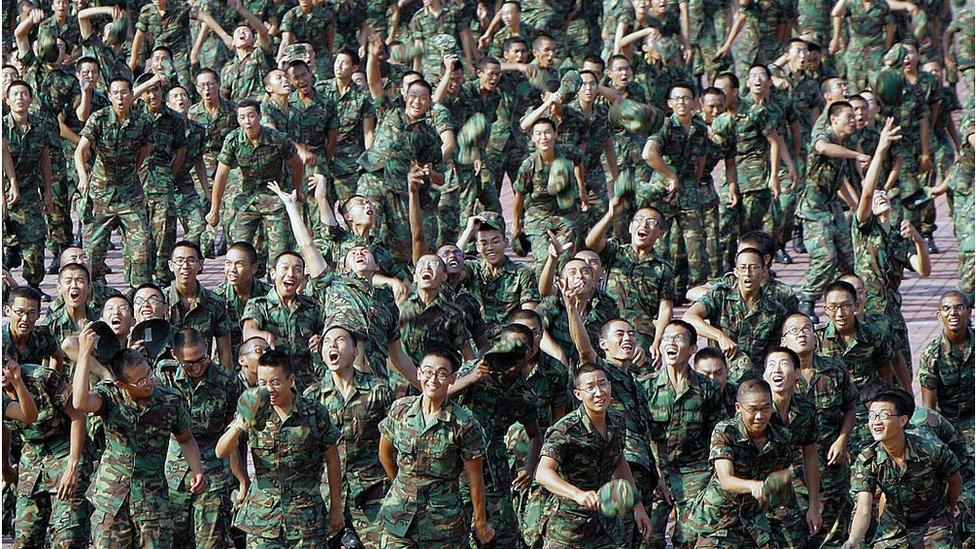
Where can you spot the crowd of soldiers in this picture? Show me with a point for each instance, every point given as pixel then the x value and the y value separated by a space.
pixel 391 362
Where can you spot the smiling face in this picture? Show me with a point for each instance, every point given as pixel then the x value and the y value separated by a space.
pixel 618 341
pixel 839 306
pixel 593 390
pixel 278 383
pixel 185 265
pixel 780 373
pixel 194 360
pixel 117 313
pixel 153 97
pixel 359 211
pixel 676 345
pixel 884 422
pixel 843 122
pixel 74 288
pixel 417 101
pixel 278 83
pixel 238 268
pixel 435 375
pixel 430 273
pixel 338 348
pixel 756 410
pixel 149 303
pixel 453 258
pixel 300 78
pixel 137 381
pixel 491 246
pixel 646 227
pixel 954 313
pixel 288 275
pixel 544 136
pixel 713 105
pixel 360 261
pixel 682 102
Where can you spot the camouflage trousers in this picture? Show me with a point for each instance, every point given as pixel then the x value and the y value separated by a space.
pixel 685 483
pixel 755 205
pixel 831 254
pixel 781 219
pixel 345 175
pixel 263 213
pixel 429 531
pixel 64 188
pixel 789 525
pixel 362 515
pixel 684 246
pixel 128 529
pixel 646 482
pixel 862 66
pixel 131 217
pixel 728 227
pixel 597 195
pixel 201 520
pixel 478 193
pixel 191 211
pixel 567 228
pixel 835 485
pixel 26 227
pixel 280 542
pixel 965 270
pixel 561 532
pixel 936 533
pixel 161 212
pixel 40 513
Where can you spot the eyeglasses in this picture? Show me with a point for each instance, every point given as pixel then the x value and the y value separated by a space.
pixel 144 382
pixel 677 338
pixel 151 300
pixel 180 261
pixel 439 375
pixel 276 383
pixel 805 329
pixel 196 362
pixel 834 307
pixel 29 313
pixel 883 416
pixel 592 388
pixel 748 268
pixel 642 220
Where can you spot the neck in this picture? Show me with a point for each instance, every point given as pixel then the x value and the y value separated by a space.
pixel 494 268
pixel 428 294
pixel 678 369
pixel 782 402
pixel 361 229
pixel 685 119
pixel 342 84
pixel 957 336
pixel 243 287
pixel 895 446
pixel 757 97
pixel 20 117
pixel 212 104
pixel 806 360
pixel 280 100
pixel 121 113
pixel 643 252
pixel 285 409
pixel 286 300
pixel 548 155
pixel 253 136
pixel 190 289
pixel 431 405
pixel 77 313
pixel 343 376
pixel 622 364
pixel 749 296
pixel 18 339
pixel 597 418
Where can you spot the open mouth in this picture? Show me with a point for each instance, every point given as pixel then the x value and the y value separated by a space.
pixel 332 356
pixel 777 378
pixel 671 353
pixel 74 295
pixel 289 284
pixel 642 233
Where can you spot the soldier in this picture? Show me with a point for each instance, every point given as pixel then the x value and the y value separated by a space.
pixel 265 156
pixel 74 288
pixel 917 510
pixel 583 451
pixel 167 157
pixel 743 317
pixel 638 279
pixel 685 406
pixel 164 24
pixel 745 451
pixel 118 138
pixel 129 493
pixel 871 31
pixel 761 43
pixel 189 203
pixel 238 287
pixel 826 381
pixel 211 393
pixel 960 183
pixel 826 233
pixel 33 344
pixel 192 305
pixel 499 284
pixel 676 152
pixel 426 443
pixel 495 391
pixel 333 240
pixel 250 352
pixel 284 505
pixel 711 363
pixel 356 402
pixel 285 318
pixel 865 349
pixel 308 23
pixel 54 466
pixel 26 135
pixel 595 133
pixel 355 121
pixel 797 414
pixel 720 146
pixel 508 144
pixel 241 77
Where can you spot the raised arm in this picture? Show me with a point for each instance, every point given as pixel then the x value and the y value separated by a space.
pixel 82 398
pixel 596 239
pixel 314 261
pixel 577 330
pixel 264 37
pixel 24 409
pixel 889 134
pixel 373 77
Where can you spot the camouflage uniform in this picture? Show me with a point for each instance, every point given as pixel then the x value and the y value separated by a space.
pixel 129 493
pixel 61 325
pixel 206 313
pixel 190 205
pixel 962 48
pixel 961 185
pixel 201 519
pixel 423 27
pixel 351 108
pixel 497 405
pixel 586 460
pixel 25 223
pixel 870 348
pixel 469 304
pixel 255 206
pixel 754 122
pixel 594 132
pixel 831 390
pixel 915 509
pixel 368 312
pixel 788 522
pixel 826 234
pixel 284 506
pixel 918 99
pixel 423 506
pixel 753 330
pixel 115 194
pixel 508 144
pixel 172 30
pixel 758 42
pixel 719 240
pixel 723 519
pixel 500 294
pixel 335 241
pixel 234 306
pixel 680 424
pixel 396 143
pixel 638 286
pixel 217 125
pixel 364 482
pixel 40 345
pixel 682 149
pixel 866 41
pixel 600 310
pixel 780 292
pixel 311 28
pixel 241 78
pixel 100 292
pixel 167 129
pixel 44 457
pixel 424 326
pixel 292 329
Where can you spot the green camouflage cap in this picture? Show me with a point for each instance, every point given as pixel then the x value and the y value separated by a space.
pixel 108 344
pixel 723 128
pixel 492 220
pixel 117 31
pixel 888 87
pixel 569 85
pixel 636 117
pixel 445 43
pixel 777 492
pixel 294 52
pixel 895 56
pixel 470 135
pixel 505 350
pixel 521 245
pixel 253 407
pixel 624 187
pixel 154 334
pixel 616 498
pixel 47 45
pixel 919 21
pixel 560 183
pixel 404 53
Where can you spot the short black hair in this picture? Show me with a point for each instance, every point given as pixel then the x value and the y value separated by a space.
pixel 75 267
pixel 123 297
pixel 836 107
pixel 24 292
pixel 248 249
pixel 712 90
pixel 249 103
pixel 761 66
pixel 958 294
pixel 904 403
pixel 841 286
pixel 276 358
pixel 686 327
pixel 750 387
pixel 509 42
pixel 162 48
pixel 88 59
pixel 285 254
pixel 786 351
pixel 544 120
pixel 22 83
pixel 422 83
pixel 187 338
pixel 145 285
pixel 119 79
pixel 187 244
pixel 201 72
pixel 751 250
pixel 123 360
pixel 596 60
pixel 730 76
pixel 586 368
pixel 683 86
pixel 616 57
pixel 351 54
pixel 297 63
pixel 540 37
pixel 524 315
pixel 605 329
pixel 487 60
pixel 710 353
pixel 450 355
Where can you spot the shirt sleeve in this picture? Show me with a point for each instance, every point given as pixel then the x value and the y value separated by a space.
pixel 927 368
pixel 722 444
pixel 181 417
pixel 862 473
pixel 471 439
pixel 228 151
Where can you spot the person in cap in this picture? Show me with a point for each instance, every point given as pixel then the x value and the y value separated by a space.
pixel 55 467
pixel 210 392
pixel 918 477
pixel 283 506
pixel 356 402
pixel 745 450
pixel 426 443
pixel 685 406
pixel 495 391
pixel 582 452
pixel 129 491
pixel 638 279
